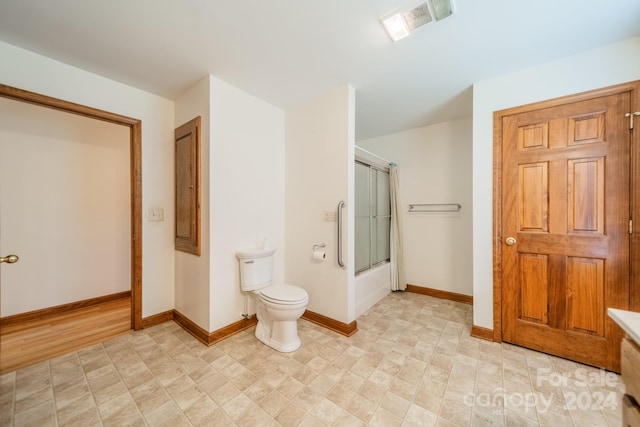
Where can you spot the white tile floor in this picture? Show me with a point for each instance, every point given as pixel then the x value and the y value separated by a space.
pixel 411 363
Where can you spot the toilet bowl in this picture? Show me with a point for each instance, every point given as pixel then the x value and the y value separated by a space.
pixel 278 307
pixel 278 310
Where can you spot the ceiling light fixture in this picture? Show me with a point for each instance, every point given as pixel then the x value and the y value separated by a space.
pixel 442 8
pixel 396 26
pixel 400 24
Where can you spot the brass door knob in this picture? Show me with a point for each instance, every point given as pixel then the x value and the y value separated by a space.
pixel 510 241
pixel 10 259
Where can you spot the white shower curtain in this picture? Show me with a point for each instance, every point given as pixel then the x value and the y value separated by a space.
pixel 398 281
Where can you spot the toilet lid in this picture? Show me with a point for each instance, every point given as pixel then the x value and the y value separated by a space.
pixel 284 294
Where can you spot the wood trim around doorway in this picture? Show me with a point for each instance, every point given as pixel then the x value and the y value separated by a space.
pixel 135 126
pixel 634 284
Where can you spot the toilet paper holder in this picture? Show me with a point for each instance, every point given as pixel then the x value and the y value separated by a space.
pixel 315 247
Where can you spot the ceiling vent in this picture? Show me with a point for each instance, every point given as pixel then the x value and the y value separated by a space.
pixel 400 24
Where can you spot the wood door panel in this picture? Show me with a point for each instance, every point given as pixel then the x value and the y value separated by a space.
pixel 585 301
pixel 566 344
pixel 585 190
pixel 571 259
pixel 534 281
pixel 534 136
pixel 534 197
pixel 579 245
pixel 587 129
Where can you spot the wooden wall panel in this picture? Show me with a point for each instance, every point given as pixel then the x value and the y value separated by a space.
pixel 187 187
pixel 586 195
pixel 533 199
pixel 534 282
pixel 585 282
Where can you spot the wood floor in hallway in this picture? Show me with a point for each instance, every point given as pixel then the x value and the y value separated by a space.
pixel 33 341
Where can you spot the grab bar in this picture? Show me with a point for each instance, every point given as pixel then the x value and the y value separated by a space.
pixel 340 208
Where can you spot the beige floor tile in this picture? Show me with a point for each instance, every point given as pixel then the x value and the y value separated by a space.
pixel 80 412
pixel 217 418
pixel 200 409
pixel 162 413
pixel 254 416
pixel 419 416
pixel 348 420
pixel 384 418
pixel 43 414
pixel 326 412
pixel 373 392
pixel 412 363
pixel 237 406
pixel 291 415
pixel 362 408
pixel 119 411
pixel 176 421
pixel 273 403
pixel 69 392
pixel 395 404
pixel 340 396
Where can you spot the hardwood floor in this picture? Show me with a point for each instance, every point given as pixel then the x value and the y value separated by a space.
pixel 36 340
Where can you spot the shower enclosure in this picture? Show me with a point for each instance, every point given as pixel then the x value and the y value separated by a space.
pixel 372 227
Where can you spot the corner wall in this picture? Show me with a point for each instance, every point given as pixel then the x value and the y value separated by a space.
pixel 242 198
pixel 29 71
pixel 434 164
pixel 612 64
pixel 319 173
pixel 247 181
pixel 193 272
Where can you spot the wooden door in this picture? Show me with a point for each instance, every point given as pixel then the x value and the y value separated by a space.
pixel 565 201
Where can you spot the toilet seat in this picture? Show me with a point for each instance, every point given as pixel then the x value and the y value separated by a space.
pixel 284 294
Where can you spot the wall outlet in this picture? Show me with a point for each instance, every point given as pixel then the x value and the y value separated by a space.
pixel 156 214
pixel 330 216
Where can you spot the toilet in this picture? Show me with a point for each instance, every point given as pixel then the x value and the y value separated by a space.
pixel 278 307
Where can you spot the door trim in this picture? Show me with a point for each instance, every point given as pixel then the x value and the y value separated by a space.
pixel 634 254
pixel 135 126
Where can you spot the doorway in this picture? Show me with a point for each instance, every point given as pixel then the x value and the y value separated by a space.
pixel 563 201
pixel 135 148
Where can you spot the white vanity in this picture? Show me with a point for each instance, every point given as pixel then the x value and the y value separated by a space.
pixel 630 364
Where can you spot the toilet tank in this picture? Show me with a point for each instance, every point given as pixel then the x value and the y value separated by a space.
pixel 256 268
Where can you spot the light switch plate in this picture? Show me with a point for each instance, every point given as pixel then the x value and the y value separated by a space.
pixel 156 214
pixel 330 216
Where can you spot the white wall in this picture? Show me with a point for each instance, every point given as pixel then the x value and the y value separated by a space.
pixel 26 70
pixel 242 171
pixel 319 173
pixel 65 207
pixel 247 192
pixel 609 65
pixel 434 164
pixel 193 272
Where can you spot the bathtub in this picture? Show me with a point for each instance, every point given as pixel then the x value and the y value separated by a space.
pixel 371 286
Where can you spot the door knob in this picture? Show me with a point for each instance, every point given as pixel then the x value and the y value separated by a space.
pixel 10 259
pixel 510 241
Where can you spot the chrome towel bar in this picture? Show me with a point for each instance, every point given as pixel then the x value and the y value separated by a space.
pixel 435 207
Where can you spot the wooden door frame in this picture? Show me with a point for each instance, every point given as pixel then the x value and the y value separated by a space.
pixel 634 250
pixel 135 137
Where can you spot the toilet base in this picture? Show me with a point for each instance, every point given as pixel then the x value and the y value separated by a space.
pixel 281 336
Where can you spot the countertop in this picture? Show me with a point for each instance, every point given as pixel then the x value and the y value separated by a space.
pixel 629 321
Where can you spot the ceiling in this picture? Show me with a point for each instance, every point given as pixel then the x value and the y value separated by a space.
pixel 288 51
